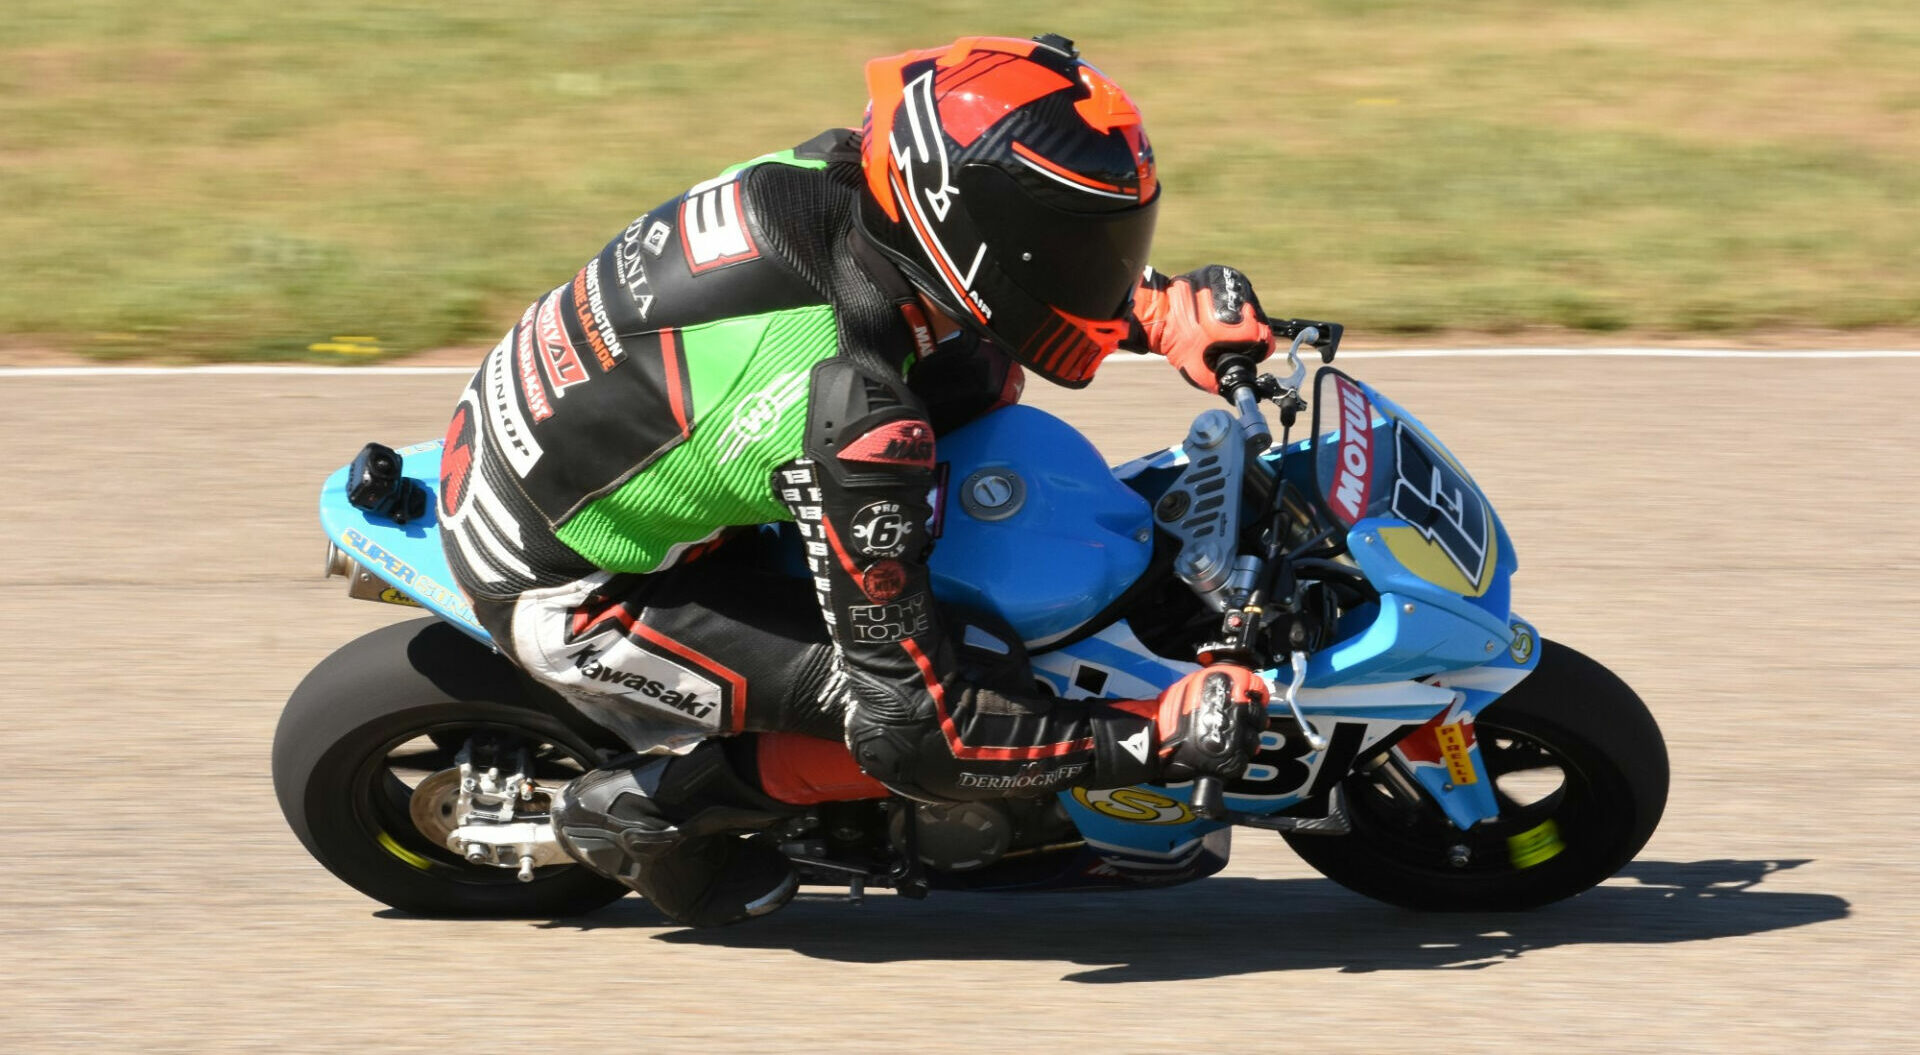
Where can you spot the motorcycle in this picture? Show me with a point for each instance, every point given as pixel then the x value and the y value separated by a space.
pixel 1426 747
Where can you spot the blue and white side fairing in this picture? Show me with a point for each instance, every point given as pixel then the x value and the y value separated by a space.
pixel 1429 720
pixel 1034 527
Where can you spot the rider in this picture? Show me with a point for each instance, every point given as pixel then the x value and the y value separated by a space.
pixel 783 343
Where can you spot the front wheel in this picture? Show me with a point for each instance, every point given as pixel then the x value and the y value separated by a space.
pixel 363 764
pixel 1579 770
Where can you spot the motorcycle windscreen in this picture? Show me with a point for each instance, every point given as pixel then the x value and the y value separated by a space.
pixel 1374 461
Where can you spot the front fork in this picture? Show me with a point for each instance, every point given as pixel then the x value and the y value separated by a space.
pixel 1438 761
pixel 1443 756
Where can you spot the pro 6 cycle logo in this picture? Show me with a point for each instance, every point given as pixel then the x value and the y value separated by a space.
pixel 880 530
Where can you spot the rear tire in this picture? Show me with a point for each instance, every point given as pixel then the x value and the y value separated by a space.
pixel 1571 715
pixel 339 756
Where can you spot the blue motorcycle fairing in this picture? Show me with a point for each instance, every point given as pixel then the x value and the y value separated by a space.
pixel 407 556
pixel 1356 719
pixel 1080 539
pixel 1054 554
pixel 1418 627
pixel 1470 801
pixel 1420 529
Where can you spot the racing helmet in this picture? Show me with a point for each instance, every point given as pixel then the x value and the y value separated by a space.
pixel 1013 185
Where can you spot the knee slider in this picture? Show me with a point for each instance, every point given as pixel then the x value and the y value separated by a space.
pixel 887 753
pixel 913 760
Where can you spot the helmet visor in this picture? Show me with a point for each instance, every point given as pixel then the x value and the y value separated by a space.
pixel 1085 263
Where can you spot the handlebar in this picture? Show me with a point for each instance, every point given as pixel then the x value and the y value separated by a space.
pixel 1238 384
pixel 1242 387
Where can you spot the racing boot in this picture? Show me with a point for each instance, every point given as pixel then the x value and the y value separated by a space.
pixel 677 831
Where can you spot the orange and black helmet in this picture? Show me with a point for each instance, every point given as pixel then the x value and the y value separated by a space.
pixel 1013 184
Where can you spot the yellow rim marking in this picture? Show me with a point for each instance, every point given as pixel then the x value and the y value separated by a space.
pixel 1535 845
pixel 403 853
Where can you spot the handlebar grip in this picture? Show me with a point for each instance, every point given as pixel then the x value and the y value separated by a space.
pixel 1233 370
pixel 1209 798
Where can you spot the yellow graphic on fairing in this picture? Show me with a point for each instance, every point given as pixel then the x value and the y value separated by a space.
pixel 1453 747
pixel 1425 556
pixel 393 596
pixel 1426 559
pixel 1137 805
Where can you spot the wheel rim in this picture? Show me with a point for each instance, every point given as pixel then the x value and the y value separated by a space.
pixel 417 763
pixel 1549 798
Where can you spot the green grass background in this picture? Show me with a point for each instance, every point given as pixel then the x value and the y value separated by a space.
pixel 245 178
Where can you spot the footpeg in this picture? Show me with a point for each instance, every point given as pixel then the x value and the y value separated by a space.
pixel 1334 823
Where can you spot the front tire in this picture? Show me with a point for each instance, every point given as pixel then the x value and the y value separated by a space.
pixel 1571 719
pixel 373 721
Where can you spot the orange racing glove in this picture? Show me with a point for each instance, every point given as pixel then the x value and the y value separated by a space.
pixel 1207 724
pixel 1195 318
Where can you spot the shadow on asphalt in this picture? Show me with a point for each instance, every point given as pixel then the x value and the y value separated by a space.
pixel 1233 926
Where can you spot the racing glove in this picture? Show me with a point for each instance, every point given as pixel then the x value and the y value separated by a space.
pixel 1193 319
pixel 1210 723
pixel 1206 724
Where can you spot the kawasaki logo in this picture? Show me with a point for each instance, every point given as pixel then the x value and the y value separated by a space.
pixel 686 702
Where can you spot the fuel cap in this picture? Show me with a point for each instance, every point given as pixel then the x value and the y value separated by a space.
pixel 993 494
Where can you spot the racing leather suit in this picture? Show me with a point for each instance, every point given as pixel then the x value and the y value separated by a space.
pixel 738 357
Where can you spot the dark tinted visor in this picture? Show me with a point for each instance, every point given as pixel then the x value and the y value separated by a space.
pixel 1084 263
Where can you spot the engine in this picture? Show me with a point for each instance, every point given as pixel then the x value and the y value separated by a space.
pixel 965 836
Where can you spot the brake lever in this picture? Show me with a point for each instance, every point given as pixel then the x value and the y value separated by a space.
pixel 1325 339
pixel 1314 740
pixel 1299 375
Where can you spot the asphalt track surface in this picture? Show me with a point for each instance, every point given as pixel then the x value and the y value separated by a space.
pixel 1734 537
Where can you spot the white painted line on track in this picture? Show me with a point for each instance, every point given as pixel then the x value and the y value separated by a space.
pixel 238 370
pixel 1630 353
pixel 266 370
pixel 1590 353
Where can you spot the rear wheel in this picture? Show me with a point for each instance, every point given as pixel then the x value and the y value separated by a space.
pixel 1579 770
pixel 362 760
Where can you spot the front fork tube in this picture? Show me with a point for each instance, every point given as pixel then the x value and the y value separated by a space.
pixel 1459 785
